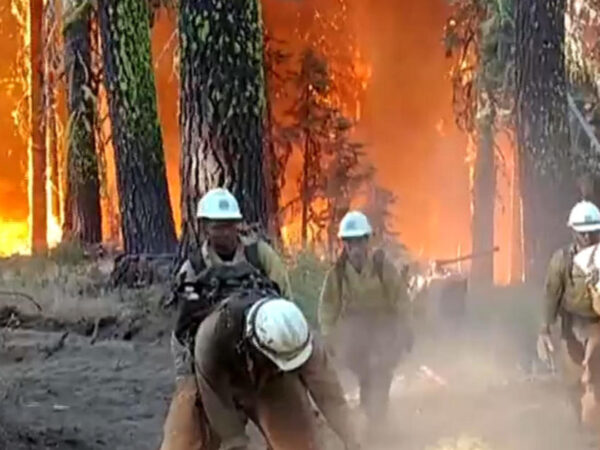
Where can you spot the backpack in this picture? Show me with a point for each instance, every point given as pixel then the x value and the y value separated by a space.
pixel 378 260
pixel 215 284
pixel 581 266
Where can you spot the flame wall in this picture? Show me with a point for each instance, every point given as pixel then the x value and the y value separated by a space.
pixel 409 126
pixel 14 230
pixel 406 121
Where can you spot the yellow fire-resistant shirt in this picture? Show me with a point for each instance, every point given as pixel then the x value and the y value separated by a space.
pixel 362 292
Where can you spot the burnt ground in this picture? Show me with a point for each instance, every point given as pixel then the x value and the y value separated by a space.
pixel 63 392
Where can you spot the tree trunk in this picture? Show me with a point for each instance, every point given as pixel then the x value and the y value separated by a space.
pixel 484 191
pixel 547 183
pixel 50 21
pixel 84 222
pixel 146 215
pixel 305 194
pixel 38 147
pixel 516 244
pixel 222 107
pixel 271 166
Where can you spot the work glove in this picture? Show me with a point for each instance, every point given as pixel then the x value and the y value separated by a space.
pixel 545 348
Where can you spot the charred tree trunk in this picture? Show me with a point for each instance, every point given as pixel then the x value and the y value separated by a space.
pixel 39 242
pixel 50 89
pixel 146 215
pixel 484 191
pixel 516 244
pixel 547 184
pixel 53 161
pixel 222 107
pixel 272 168
pixel 84 221
pixel 304 189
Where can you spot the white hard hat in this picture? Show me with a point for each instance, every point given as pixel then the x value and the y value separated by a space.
pixel 584 217
pixel 278 329
pixel 354 224
pixel 218 204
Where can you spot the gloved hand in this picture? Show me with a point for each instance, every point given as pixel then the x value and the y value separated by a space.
pixel 545 348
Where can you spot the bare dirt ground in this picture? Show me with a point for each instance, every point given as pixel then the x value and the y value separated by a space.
pixel 470 387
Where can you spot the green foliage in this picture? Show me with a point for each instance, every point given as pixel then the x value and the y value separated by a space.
pixel 480 38
pixel 307 274
pixel 134 84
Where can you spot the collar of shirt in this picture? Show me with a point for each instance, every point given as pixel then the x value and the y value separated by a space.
pixel 211 258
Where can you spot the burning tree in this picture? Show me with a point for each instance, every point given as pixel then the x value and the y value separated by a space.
pixel 332 168
pixel 82 202
pixel 480 37
pixel 38 146
pixel 146 214
pixel 222 101
pixel 379 203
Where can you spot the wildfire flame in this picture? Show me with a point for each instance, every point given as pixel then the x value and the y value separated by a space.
pixel 15 236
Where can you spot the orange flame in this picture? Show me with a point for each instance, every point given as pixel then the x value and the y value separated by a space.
pixel 15 235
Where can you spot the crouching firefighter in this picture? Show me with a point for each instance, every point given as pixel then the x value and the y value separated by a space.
pixel 255 359
pixel 572 295
pixel 364 315
pixel 220 217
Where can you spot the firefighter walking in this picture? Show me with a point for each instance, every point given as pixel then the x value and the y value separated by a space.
pixel 364 315
pixel 571 295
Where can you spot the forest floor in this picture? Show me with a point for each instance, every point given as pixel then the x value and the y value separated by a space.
pixel 93 371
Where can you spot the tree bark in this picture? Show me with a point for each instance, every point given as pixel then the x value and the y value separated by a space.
pixel 547 183
pixel 146 214
pixel 222 108
pixel 516 244
pixel 484 191
pixel 84 222
pixel 38 147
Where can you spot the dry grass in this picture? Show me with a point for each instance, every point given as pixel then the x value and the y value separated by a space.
pixel 70 290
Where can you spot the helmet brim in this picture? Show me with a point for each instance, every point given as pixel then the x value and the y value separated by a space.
pixel 354 234
pixel 586 228
pixel 221 217
pixel 287 365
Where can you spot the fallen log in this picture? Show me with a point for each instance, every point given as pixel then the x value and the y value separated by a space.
pixel 21 295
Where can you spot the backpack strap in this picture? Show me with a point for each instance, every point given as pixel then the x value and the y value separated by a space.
pixel 340 266
pixel 569 256
pixel 197 260
pixel 251 254
pixel 378 260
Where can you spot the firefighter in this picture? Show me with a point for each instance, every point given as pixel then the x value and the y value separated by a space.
pixel 569 295
pixel 364 315
pixel 256 360
pixel 220 218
